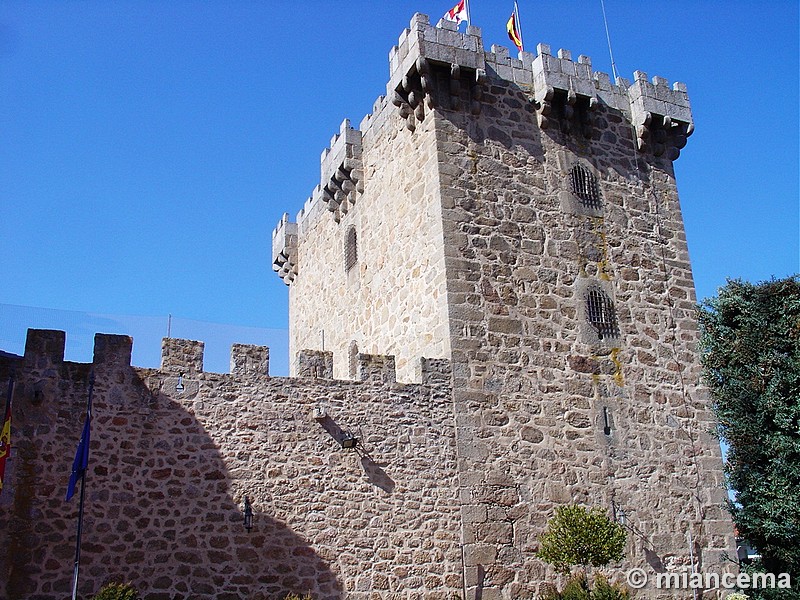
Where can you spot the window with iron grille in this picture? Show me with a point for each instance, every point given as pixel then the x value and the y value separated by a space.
pixel 350 249
pixel 601 314
pixel 584 186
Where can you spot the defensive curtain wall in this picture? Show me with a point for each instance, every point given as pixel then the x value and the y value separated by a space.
pixel 170 467
pixel 514 222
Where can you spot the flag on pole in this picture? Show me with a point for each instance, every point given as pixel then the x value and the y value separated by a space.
pixel 458 13
pixel 5 435
pixel 513 29
pixel 81 461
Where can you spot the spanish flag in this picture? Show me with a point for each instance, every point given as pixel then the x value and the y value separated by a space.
pixel 5 434
pixel 513 29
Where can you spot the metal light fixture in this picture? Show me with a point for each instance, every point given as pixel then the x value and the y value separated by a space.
pixel 248 514
pixel 180 387
pixel 349 441
pixel 619 514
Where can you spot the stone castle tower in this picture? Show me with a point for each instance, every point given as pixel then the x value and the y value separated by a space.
pixel 521 218
pixel 491 315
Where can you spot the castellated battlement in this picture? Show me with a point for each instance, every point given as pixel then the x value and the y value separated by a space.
pixel 44 350
pixel 565 93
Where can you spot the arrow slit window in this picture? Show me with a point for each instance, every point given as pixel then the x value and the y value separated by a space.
pixel 350 249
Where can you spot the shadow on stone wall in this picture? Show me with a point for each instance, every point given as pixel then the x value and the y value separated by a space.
pixel 160 508
pixel 374 471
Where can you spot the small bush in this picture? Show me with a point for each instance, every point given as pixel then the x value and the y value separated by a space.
pixel 603 590
pixel 578 589
pixel 294 596
pixel 117 591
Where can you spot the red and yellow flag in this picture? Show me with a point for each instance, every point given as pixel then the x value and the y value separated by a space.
pixel 513 30
pixel 458 13
pixel 5 435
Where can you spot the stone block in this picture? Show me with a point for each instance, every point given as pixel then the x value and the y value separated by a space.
pixel 247 359
pixel 315 363
pixel 45 347
pixel 376 368
pixel 112 350
pixel 182 356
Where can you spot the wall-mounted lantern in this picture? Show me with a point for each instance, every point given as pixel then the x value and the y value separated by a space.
pixel 247 509
pixel 619 514
pixel 349 441
pixel 180 387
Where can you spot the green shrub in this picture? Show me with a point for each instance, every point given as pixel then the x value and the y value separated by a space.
pixel 603 590
pixel 578 589
pixel 294 596
pixel 117 591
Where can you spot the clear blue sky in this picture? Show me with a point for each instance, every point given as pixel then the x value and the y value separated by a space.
pixel 147 149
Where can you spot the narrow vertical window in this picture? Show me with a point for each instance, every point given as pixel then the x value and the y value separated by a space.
pixel 350 249
pixel 606 421
pixel 352 355
pixel 601 313
pixel 584 186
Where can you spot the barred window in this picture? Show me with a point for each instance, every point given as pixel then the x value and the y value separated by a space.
pixel 350 249
pixel 601 314
pixel 584 186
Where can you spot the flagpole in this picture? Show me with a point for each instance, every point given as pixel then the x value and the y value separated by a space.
pixel 469 19
pixel 80 504
pixel 519 24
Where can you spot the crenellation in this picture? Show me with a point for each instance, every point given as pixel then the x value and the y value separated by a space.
pixel 112 351
pixel 342 179
pixel 436 370
pixel 45 347
pixel 316 364
pixel 169 468
pixel 376 368
pixel 249 360
pixel 181 356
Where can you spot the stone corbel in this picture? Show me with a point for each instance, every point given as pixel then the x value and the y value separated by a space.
pixel 662 135
pixel 570 110
pixel 344 187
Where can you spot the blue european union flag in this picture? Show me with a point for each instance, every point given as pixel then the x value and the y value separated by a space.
pixel 81 461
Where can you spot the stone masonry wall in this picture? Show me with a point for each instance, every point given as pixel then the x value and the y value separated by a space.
pixel 169 471
pixel 547 413
pixel 393 301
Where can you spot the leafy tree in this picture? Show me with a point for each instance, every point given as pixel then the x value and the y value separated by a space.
pixel 577 536
pixel 750 338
